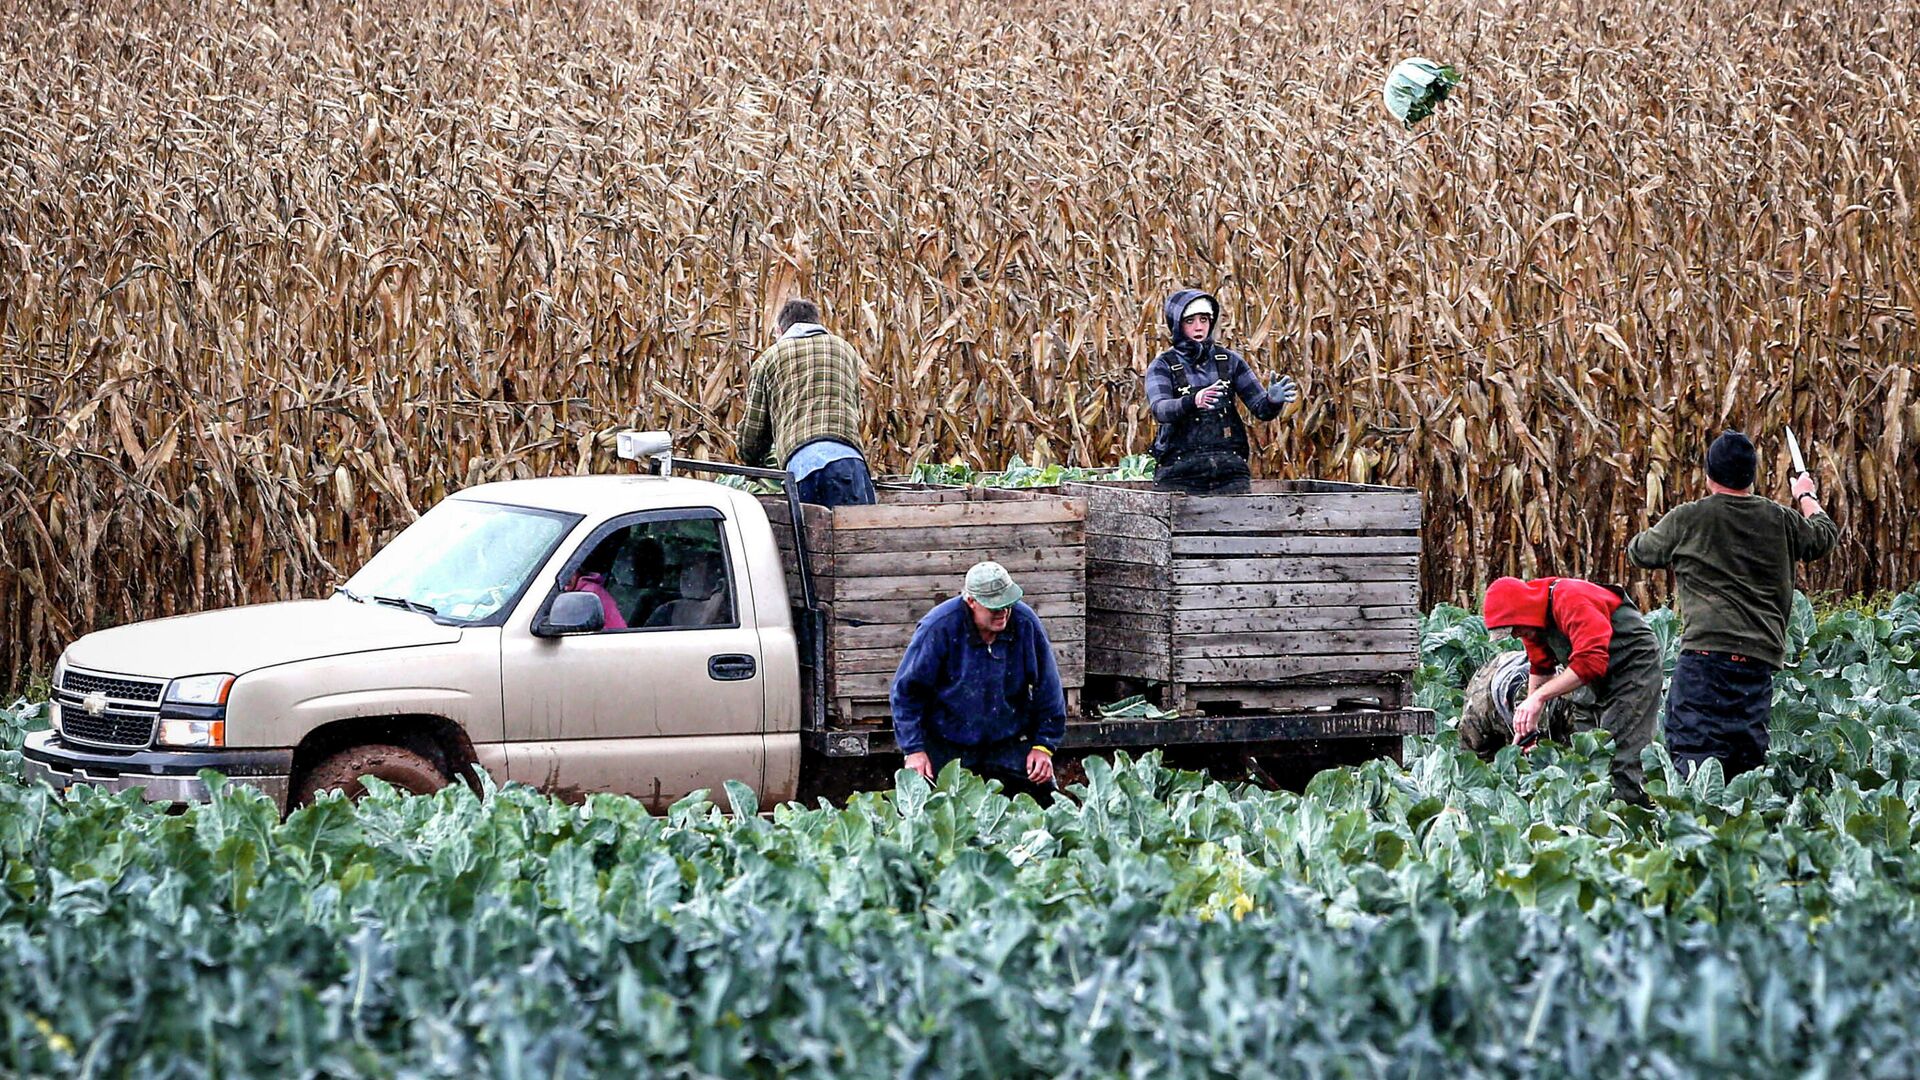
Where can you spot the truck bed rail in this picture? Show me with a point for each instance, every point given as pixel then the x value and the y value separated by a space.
pixel 1103 734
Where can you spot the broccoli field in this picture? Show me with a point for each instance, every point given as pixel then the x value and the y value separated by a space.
pixel 1446 918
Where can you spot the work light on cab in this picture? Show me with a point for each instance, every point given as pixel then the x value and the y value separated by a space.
pixel 642 445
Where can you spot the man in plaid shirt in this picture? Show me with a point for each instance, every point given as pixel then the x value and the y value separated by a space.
pixel 803 408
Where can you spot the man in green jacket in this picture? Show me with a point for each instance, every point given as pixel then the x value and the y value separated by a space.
pixel 1734 554
pixel 803 408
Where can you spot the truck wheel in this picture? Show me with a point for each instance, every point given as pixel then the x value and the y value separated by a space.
pixel 398 766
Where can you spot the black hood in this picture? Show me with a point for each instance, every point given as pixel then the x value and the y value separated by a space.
pixel 1177 303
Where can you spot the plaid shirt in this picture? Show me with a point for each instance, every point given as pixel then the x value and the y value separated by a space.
pixel 801 389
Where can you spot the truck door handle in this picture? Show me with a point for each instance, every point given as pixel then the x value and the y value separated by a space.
pixel 731 667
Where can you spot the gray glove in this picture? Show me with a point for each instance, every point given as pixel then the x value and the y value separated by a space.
pixel 1284 390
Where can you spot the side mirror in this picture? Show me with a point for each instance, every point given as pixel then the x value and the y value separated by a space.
pixel 572 613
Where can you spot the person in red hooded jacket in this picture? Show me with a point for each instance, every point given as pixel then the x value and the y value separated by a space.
pixel 1578 634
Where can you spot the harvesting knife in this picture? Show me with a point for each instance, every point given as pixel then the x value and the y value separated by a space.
pixel 1793 448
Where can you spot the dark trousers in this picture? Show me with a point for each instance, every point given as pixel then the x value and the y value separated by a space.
pixel 1626 705
pixel 1014 782
pixel 845 482
pixel 1718 707
pixel 1207 472
pixel 1004 761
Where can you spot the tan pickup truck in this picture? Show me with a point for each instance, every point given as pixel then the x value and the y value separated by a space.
pixel 597 633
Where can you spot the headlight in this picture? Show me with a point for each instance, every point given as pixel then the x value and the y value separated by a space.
pixel 200 690
pixel 200 733
pixel 53 699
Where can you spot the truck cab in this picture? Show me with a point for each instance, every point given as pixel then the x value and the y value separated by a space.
pixel 597 633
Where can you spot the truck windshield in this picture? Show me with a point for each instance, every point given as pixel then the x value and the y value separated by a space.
pixel 463 560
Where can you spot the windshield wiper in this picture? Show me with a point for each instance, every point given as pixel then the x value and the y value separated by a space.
pixel 342 590
pixel 410 605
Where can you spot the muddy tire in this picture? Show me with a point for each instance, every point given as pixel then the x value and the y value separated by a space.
pixel 398 766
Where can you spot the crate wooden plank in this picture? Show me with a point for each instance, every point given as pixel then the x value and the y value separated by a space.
pixel 866 712
pixel 1113 575
pixel 870 686
pixel 1128 664
pixel 1270 669
pixel 1319 487
pixel 953 562
pixel 1127 497
pixel 1039 510
pixel 1102 548
pixel 1389 695
pixel 1297 643
pixel 818 520
pixel 1296 568
pixel 1249 546
pixel 1158 623
pixel 917 586
pixel 819 538
pixel 1322 594
pixel 1052 605
pixel 1132 526
pixel 1236 621
pixel 875 686
pixel 896 635
pixel 979 537
pixel 1146 642
pixel 895 494
pixel 1269 514
pixel 1071 656
pixel 1144 601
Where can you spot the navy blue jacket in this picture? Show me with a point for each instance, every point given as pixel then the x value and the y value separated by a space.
pixel 953 689
pixel 1207 361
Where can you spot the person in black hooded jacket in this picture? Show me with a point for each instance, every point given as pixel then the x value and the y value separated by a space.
pixel 1194 390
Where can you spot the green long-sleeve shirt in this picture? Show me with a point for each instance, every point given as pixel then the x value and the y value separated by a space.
pixel 1734 556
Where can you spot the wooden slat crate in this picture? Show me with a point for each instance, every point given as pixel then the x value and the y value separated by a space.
pixel 1301 594
pixel 879 569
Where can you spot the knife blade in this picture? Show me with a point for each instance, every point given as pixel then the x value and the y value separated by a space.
pixel 1793 448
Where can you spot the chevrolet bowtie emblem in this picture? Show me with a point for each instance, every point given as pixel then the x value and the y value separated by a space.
pixel 95 703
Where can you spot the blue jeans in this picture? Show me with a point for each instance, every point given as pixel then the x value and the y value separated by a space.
pixel 838 483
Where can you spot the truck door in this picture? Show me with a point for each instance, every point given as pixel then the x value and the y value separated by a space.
pixel 668 698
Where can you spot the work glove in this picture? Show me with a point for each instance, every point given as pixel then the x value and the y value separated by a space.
pixel 1284 390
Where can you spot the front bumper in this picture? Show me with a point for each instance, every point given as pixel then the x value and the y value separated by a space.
pixel 171 776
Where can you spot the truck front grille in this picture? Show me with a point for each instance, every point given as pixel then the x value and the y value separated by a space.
pixel 109 729
pixel 133 707
pixel 120 688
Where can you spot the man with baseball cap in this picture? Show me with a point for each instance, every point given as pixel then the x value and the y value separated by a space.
pixel 1194 390
pixel 979 684
pixel 1734 554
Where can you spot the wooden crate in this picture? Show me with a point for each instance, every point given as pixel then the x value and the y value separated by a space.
pixel 1301 594
pixel 879 569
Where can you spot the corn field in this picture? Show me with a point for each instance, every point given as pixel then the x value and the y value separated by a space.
pixel 274 277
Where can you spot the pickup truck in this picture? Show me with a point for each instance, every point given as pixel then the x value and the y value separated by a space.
pixel 616 633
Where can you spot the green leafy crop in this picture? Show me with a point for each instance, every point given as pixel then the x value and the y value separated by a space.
pixel 1446 918
pixel 1019 474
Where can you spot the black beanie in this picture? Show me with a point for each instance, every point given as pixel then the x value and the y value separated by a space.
pixel 1731 461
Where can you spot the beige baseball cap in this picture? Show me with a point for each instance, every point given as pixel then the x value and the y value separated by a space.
pixel 992 586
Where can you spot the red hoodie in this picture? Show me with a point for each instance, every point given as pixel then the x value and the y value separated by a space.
pixel 1582 611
